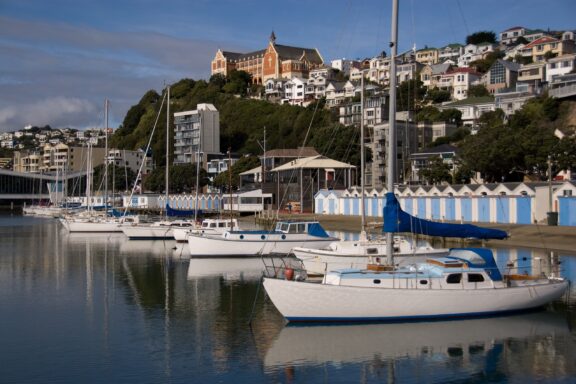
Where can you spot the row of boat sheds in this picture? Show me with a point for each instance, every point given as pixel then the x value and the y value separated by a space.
pixel 506 203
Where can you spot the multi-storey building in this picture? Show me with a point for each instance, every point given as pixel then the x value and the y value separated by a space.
pixel 450 52
pixel 539 48
pixel 502 74
pixel 458 81
pixel 559 66
pixel 196 131
pixel 533 75
pixel 430 75
pixel 510 35
pixel 427 56
pixel 274 62
pixel 131 159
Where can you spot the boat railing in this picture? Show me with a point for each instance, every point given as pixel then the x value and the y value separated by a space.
pixel 287 268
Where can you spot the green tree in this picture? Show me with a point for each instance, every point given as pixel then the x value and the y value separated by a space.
pixel 481 37
pixel 119 178
pixel 484 65
pixel 410 94
pixel 436 171
pixel 222 180
pixel 238 83
pixel 437 96
pixel 479 90
pixel 549 55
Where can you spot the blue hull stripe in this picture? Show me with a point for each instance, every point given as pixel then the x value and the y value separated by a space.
pixel 406 318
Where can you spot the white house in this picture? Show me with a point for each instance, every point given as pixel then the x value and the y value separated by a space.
pixel 458 81
pixel 561 65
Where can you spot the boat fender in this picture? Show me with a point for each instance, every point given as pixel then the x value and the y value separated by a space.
pixel 288 273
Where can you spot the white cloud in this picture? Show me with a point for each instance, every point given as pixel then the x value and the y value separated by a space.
pixel 57 112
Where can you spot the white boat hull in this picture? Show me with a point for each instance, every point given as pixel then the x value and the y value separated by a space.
pixel 308 301
pixel 353 254
pixel 218 245
pixel 90 226
pixel 140 232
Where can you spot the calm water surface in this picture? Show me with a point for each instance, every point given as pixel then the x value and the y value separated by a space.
pixel 86 308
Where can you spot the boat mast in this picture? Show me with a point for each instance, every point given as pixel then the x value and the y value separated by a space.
pixel 198 153
pixel 167 144
pixel 106 157
pixel 391 161
pixel 362 165
pixel 230 184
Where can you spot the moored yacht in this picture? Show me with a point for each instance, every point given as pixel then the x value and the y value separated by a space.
pixel 285 236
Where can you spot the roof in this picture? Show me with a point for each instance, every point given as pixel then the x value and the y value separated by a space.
pixel 464 70
pixel 512 29
pixel 443 148
pixel 252 171
pixel 440 68
pixel 313 162
pixel 541 40
pixel 473 100
pixel 298 152
pixel 515 67
pixel 296 53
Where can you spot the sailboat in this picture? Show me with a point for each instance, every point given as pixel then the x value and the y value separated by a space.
pixel 89 220
pixel 465 283
pixel 355 253
pixel 162 229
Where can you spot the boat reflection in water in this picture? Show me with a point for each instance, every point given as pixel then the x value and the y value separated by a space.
pixel 231 269
pixel 478 346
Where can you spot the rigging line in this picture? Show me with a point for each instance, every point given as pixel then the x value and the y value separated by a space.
pixel 139 175
pixel 463 17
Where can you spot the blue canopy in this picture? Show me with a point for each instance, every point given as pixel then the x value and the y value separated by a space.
pixel 171 212
pixel 396 220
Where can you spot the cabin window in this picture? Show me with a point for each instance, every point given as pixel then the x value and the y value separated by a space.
pixel 454 278
pixel 423 282
pixel 376 281
pixel 302 228
pixel 372 251
pixel 475 278
pixel 293 229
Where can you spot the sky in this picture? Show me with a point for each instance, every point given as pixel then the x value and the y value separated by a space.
pixel 60 59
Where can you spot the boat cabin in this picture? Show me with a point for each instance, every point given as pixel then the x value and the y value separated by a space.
pixel 219 224
pixel 301 227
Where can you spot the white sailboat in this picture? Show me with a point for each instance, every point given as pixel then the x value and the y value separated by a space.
pixel 162 229
pixel 285 236
pixel 91 221
pixel 465 283
pixel 358 253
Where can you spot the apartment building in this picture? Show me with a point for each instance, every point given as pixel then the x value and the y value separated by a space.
pixel 196 131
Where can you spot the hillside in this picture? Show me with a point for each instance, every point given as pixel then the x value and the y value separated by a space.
pixel 242 123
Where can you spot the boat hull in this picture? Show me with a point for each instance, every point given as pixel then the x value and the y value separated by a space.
pixel 318 261
pixel 301 301
pixel 138 232
pixel 248 246
pixel 91 226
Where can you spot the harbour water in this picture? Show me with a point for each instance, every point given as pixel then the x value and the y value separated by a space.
pixel 93 308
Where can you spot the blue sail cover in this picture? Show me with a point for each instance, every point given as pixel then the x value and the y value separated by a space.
pixel 396 220
pixel 171 212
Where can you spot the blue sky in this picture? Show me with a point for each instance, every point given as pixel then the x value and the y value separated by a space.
pixel 60 59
